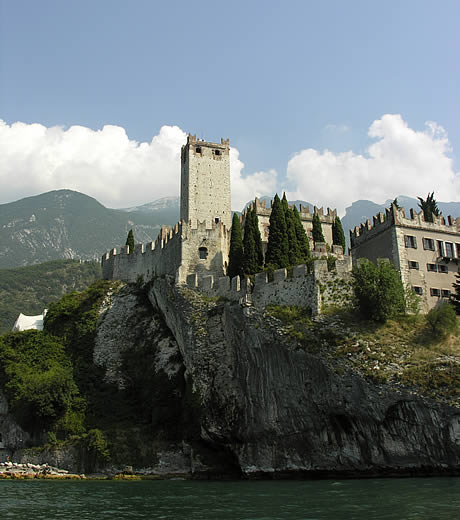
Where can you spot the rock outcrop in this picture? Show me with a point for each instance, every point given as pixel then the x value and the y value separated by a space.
pixel 281 410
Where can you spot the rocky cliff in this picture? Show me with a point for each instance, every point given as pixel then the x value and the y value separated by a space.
pixel 270 407
pixel 223 390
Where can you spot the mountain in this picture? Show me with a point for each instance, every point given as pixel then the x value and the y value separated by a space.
pixel 69 224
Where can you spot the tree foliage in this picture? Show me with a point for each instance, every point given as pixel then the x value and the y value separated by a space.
pixel 455 297
pixel 379 291
pixel 317 230
pixel 130 241
pixel 442 320
pixel 303 243
pixel 236 257
pixel 278 246
pixel 37 377
pixel 338 236
pixel 252 243
pixel 429 206
pixel 293 246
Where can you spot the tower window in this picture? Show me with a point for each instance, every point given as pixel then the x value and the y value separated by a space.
pixel 217 152
pixel 216 220
pixel 203 253
pixel 198 149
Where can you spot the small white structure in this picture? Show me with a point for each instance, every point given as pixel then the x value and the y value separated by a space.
pixel 24 322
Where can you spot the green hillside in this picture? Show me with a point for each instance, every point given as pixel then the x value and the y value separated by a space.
pixel 69 224
pixel 31 289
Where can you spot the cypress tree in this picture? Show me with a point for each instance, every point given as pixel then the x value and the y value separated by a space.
pixel 130 241
pixel 249 245
pixel 302 240
pixel 278 246
pixel 236 257
pixel 317 230
pixel 338 236
pixel 293 248
pixel 259 248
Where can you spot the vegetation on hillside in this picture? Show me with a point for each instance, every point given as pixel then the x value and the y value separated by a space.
pixel 31 289
pixel 379 291
pixel 404 351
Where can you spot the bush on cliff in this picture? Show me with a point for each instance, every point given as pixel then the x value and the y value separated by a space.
pixel 378 290
pixel 37 378
pixel 442 320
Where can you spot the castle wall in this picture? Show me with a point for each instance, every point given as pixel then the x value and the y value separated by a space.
pixel 175 253
pixel 205 181
pixel 263 215
pixel 312 290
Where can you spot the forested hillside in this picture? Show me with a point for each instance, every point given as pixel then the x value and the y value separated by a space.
pixel 31 289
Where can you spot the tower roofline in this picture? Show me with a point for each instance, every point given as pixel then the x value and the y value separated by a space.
pixel 224 143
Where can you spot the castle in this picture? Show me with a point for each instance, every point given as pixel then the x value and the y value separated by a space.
pixel 427 254
pixel 195 252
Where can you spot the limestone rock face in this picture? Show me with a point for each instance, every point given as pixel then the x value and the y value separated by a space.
pixel 281 410
pixel 12 435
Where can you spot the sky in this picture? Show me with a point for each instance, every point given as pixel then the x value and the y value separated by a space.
pixel 331 101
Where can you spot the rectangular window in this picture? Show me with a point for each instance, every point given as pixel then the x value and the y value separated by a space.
pixel 418 290
pixel 442 268
pixel 445 293
pixel 410 241
pixel 440 247
pixel 413 265
pixel 449 247
pixel 431 268
pixel 198 149
pixel 217 152
pixel 458 250
pixel 428 243
pixel 435 292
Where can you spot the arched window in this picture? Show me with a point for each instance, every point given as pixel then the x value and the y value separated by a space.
pixel 203 253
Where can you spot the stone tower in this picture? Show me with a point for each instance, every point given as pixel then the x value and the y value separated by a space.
pixel 205 182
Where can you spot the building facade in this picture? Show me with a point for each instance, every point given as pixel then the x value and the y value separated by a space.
pixel 427 254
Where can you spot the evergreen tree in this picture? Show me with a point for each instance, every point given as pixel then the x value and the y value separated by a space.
pixel 429 207
pixel 249 244
pixel 278 246
pixel 317 230
pixel 293 248
pixel 338 236
pixel 303 243
pixel 455 297
pixel 130 241
pixel 236 256
pixel 395 202
pixel 259 248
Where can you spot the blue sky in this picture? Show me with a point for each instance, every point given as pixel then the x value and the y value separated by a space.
pixel 277 78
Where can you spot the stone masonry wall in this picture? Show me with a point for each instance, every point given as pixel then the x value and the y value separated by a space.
pixel 313 290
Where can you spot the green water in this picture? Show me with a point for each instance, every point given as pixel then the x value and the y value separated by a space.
pixel 400 499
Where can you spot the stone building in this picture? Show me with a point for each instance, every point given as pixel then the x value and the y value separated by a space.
pixel 200 242
pixel 263 215
pixel 427 254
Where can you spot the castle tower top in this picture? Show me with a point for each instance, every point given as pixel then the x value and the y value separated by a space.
pixel 205 181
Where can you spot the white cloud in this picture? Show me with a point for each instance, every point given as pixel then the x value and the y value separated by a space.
pixel 247 188
pixel 105 164
pixel 401 161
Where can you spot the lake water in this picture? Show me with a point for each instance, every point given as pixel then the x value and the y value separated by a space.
pixel 374 499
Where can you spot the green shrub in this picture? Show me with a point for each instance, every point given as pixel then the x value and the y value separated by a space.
pixel 379 291
pixel 442 320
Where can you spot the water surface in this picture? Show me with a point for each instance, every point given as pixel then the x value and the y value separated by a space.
pixel 396 499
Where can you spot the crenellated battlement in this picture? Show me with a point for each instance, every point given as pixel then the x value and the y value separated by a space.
pixel 300 287
pixel 397 216
pixel 174 252
pixel 304 211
